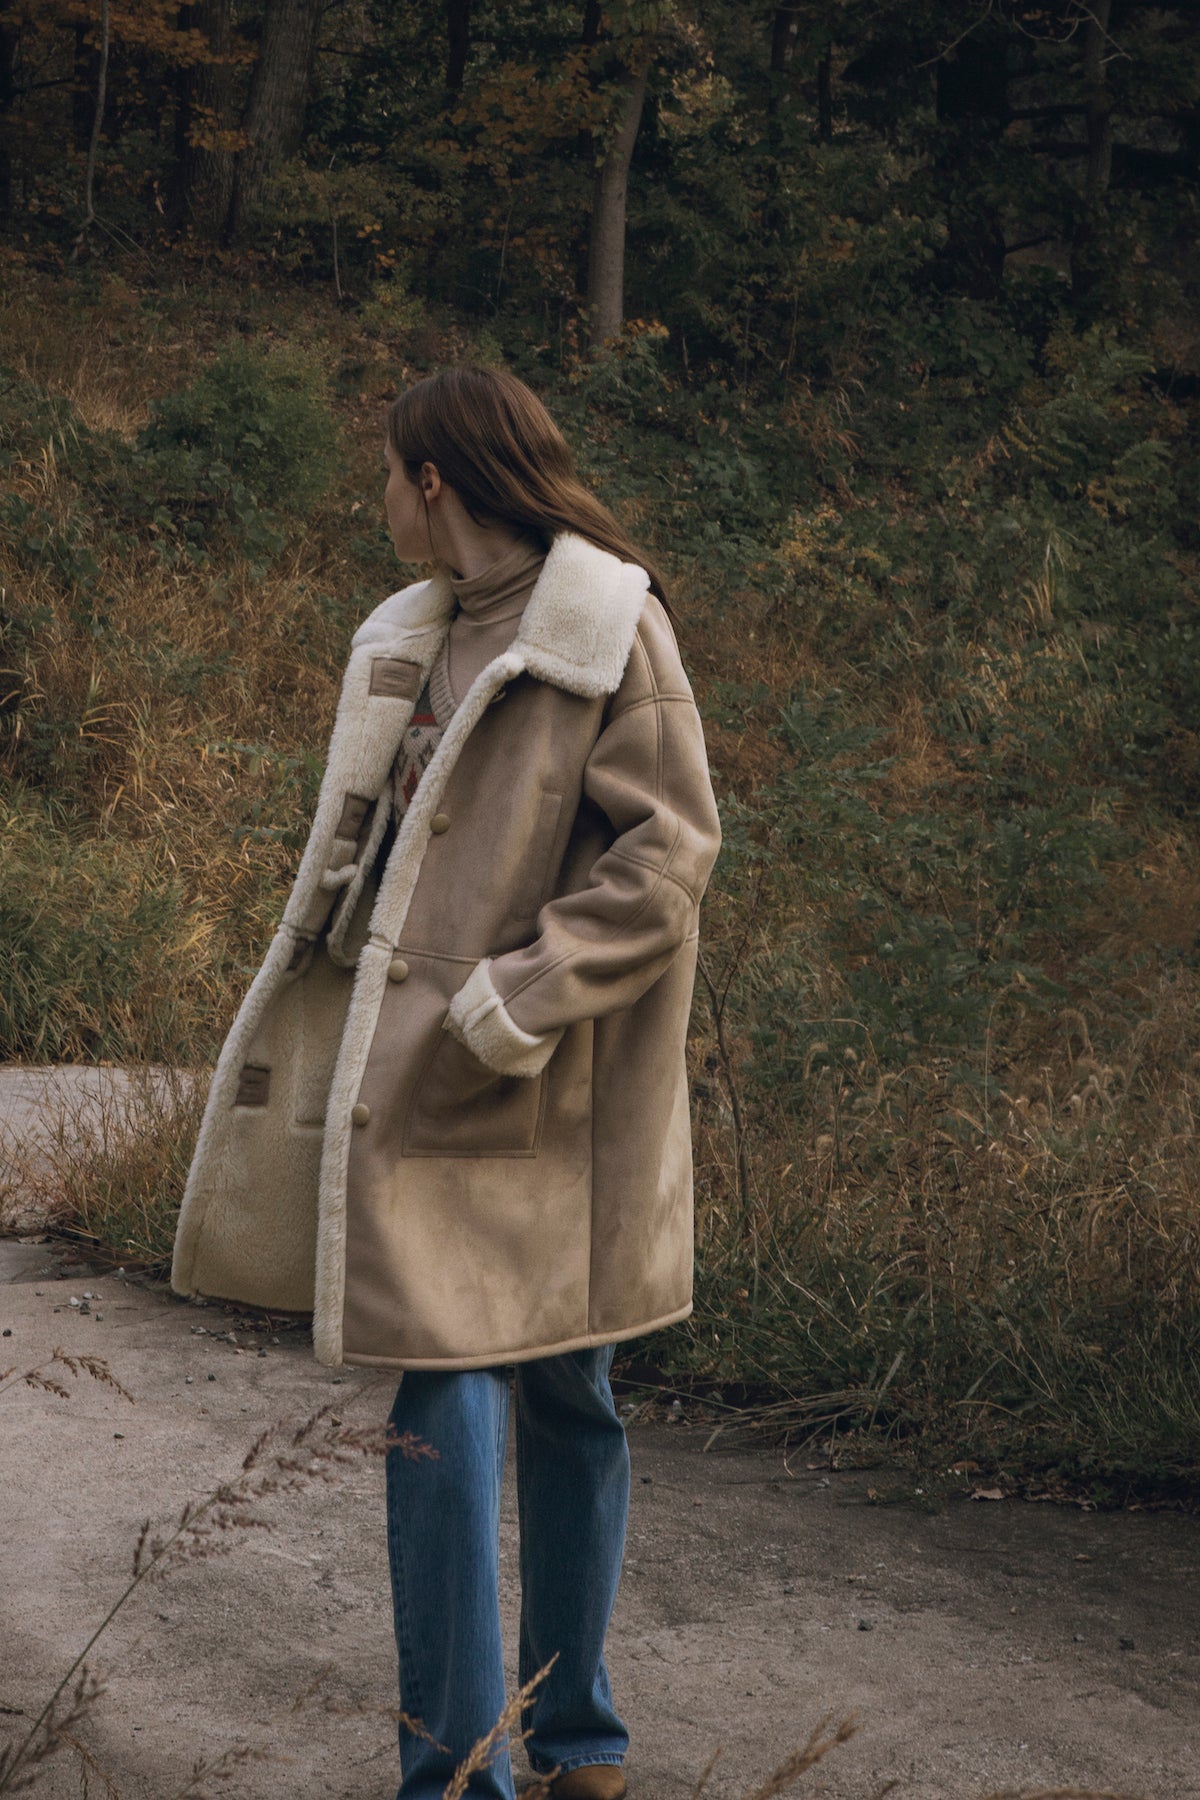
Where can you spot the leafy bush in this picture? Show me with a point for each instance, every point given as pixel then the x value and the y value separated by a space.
pixel 102 956
pixel 262 418
pixel 250 443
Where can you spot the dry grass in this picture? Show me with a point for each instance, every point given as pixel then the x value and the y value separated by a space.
pixel 1006 1274
pixel 1071 1793
pixel 168 743
pixel 43 1379
pixel 1006 1254
pixel 821 1740
pixel 109 1166
pixel 194 662
pixel 95 369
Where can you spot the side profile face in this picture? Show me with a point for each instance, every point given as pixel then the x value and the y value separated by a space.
pixel 405 504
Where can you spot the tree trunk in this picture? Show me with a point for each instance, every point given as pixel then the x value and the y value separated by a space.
pixel 204 168
pixel 89 179
pixel 274 117
pixel 1087 249
pixel 825 97
pixel 8 94
pixel 585 143
pixel 606 248
pixel 785 28
pixel 83 89
pixel 1097 101
pixel 458 35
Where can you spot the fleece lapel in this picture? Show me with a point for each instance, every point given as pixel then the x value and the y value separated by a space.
pixel 580 621
pixel 576 633
pixel 391 655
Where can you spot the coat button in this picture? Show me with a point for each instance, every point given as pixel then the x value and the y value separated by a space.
pixel 440 822
pixel 397 969
pixel 360 1113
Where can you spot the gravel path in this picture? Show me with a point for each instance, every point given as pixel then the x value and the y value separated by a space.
pixel 984 1645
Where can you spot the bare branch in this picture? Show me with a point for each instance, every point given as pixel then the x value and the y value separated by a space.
pixel 89 216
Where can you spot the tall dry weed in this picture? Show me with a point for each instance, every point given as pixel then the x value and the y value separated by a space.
pixel 285 1459
pixel 107 1159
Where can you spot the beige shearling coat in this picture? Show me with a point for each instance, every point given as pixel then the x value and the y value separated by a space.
pixel 451 1116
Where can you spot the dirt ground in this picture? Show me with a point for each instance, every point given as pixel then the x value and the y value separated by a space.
pixel 984 1646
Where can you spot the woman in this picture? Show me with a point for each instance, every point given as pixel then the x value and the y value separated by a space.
pixel 452 1114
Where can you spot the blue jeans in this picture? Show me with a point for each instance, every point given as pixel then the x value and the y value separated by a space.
pixel 443 1524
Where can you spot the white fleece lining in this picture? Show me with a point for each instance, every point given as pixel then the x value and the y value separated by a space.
pixel 578 625
pixel 345 909
pixel 580 621
pixel 387 924
pixel 204 1173
pixel 360 760
pixel 576 633
pixel 479 1019
pixel 366 735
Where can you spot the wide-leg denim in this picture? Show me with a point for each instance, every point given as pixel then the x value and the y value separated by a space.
pixel 443 1521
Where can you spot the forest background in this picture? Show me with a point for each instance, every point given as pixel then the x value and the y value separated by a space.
pixel 878 324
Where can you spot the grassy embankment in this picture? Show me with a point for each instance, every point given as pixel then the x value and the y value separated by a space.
pixel 940 619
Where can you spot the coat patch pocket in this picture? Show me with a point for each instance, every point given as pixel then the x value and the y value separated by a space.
pixel 460 1107
pixel 535 870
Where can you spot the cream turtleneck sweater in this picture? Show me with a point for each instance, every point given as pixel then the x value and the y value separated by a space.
pixel 489 610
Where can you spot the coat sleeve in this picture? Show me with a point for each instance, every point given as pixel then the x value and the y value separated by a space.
pixel 599 949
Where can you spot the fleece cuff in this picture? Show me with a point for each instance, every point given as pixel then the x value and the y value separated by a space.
pixel 479 1019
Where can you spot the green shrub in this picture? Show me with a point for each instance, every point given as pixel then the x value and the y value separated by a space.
pixel 264 418
pixel 222 464
pixel 102 954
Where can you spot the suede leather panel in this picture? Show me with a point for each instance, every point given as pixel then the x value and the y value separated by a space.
pixel 473 896
pixel 641 1153
pixel 481 1215
pixel 454 1257
pixel 593 1232
pixel 601 943
pixel 394 679
pixel 586 1341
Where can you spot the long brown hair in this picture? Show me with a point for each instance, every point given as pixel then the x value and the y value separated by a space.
pixel 491 439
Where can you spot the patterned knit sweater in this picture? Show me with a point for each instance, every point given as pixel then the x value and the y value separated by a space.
pixel 430 719
pixel 489 610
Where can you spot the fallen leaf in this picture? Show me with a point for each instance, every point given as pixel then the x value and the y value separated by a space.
pixel 987 1493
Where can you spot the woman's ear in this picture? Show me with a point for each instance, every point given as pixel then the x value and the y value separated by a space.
pixel 431 481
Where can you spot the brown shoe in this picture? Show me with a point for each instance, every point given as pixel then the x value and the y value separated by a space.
pixel 594 1781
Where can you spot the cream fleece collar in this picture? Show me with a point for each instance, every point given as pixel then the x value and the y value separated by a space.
pixel 576 631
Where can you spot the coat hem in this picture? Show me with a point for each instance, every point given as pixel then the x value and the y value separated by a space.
pixel 589 1340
